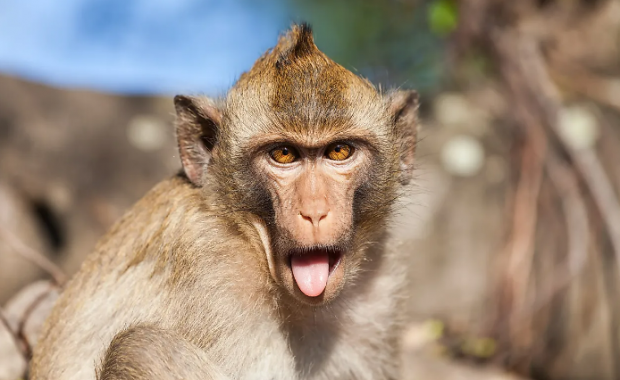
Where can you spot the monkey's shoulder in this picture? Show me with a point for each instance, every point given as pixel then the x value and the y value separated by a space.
pixel 168 216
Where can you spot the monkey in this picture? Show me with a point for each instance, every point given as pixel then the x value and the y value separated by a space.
pixel 265 256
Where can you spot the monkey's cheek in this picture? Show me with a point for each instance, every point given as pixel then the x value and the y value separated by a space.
pixel 336 280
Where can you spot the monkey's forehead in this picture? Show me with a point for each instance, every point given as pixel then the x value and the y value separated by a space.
pixel 309 114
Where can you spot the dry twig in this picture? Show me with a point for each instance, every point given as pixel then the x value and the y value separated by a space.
pixel 33 256
pixel 20 344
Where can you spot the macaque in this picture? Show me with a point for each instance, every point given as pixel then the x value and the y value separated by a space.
pixel 265 258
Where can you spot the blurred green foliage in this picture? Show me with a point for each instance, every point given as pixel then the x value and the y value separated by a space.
pixel 442 16
pixel 393 43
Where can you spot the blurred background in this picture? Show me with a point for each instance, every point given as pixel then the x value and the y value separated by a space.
pixel 513 224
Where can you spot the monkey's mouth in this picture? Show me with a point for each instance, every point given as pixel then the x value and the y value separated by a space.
pixel 312 267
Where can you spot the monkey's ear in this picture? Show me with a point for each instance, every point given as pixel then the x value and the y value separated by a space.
pixel 197 124
pixel 404 108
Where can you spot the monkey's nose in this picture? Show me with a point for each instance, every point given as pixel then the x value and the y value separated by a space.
pixel 314 215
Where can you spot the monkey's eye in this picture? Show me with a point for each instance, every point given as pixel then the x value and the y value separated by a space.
pixel 284 154
pixel 339 151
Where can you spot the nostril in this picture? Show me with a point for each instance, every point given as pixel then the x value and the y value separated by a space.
pixel 313 217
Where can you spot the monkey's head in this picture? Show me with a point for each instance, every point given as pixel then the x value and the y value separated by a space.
pixel 312 152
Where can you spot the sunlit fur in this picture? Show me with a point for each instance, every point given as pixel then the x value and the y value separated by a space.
pixel 181 285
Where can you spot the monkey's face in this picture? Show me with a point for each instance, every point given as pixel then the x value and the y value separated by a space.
pixel 314 151
pixel 312 188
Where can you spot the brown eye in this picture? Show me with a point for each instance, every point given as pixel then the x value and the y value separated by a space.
pixel 339 151
pixel 284 154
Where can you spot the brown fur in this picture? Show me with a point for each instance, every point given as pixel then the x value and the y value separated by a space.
pixel 182 286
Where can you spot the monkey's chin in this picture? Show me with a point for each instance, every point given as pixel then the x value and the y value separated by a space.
pixel 314 275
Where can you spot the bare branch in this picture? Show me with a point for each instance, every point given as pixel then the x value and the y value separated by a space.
pixel 587 162
pixel 33 256
pixel 21 345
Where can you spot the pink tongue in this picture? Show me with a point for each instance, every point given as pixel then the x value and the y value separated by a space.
pixel 310 271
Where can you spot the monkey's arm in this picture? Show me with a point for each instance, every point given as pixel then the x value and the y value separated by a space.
pixel 145 352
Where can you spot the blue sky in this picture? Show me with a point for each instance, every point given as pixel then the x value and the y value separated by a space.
pixel 136 46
